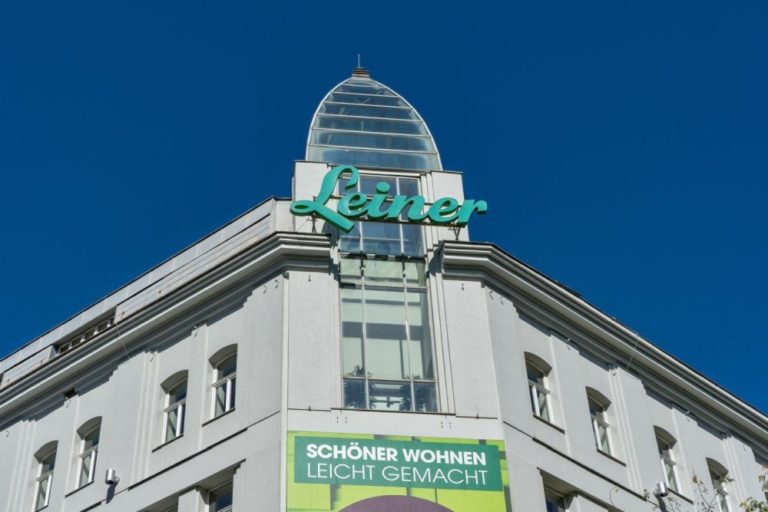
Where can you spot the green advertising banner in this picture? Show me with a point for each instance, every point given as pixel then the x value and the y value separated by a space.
pixel 372 473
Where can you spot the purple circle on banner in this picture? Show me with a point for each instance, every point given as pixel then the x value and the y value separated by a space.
pixel 395 504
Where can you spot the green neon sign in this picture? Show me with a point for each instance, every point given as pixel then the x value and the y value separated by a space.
pixel 444 211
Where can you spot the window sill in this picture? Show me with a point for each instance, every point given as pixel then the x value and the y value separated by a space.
pixel 219 416
pixel 682 497
pixel 550 424
pixel 383 411
pixel 70 493
pixel 614 459
pixel 166 443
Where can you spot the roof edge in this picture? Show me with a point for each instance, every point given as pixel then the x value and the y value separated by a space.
pixel 457 255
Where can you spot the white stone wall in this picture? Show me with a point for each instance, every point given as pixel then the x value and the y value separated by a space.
pixel 284 321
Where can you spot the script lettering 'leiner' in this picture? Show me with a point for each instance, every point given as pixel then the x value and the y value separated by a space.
pixel 353 205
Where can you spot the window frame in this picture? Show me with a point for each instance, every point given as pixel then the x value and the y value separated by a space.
pixel 718 474
pixel 538 389
pixel 554 498
pixel 92 452
pixel 405 287
pixel 666 444
pixel 227 381
pixel 598 411
pixel 422 394
pixel 213 491
pixel 180 406
pixel 45 476
pixel 358 231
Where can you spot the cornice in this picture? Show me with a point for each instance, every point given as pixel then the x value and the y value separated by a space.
pixel 271 256
pixel 666 374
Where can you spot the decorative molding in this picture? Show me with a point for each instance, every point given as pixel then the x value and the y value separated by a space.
pixel 536 294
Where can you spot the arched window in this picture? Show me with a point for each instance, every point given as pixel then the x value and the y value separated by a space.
pixel 538 387
pixel 89 446
pixel 598 410
pixel 224 365
pixel 719 476
pixel 46 458
pixel 175 407
pixel 666 446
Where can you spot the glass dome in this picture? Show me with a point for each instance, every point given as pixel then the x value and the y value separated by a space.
pixel 364 123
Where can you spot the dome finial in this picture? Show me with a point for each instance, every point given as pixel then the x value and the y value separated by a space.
pixel 360 70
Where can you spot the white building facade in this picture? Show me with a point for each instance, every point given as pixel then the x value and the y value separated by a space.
pixel 206 383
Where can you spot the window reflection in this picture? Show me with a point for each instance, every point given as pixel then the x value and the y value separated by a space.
pixel 363 124
pixel 383 238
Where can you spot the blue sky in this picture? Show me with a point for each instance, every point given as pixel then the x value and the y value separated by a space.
pixel 621 145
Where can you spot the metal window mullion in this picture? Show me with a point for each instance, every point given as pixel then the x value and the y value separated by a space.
pixel 431 152
pixel 363 93
pixel 354 117
pixel 404 282
pixel 323 129
pixel 366 394
pixel 366 105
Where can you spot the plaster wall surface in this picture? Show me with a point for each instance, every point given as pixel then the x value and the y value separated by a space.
pixel 279 312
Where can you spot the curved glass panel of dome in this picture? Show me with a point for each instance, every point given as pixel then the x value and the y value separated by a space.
pixel 366 124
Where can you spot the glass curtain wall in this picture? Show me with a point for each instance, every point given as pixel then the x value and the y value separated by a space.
pixel 383 238
pixel 386 343
pixel 364 123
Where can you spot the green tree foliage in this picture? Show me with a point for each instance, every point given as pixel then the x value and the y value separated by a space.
pixel 753 505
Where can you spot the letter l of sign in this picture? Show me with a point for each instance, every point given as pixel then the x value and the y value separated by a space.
pixel 308 207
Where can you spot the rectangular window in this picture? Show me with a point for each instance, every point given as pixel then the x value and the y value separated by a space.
pixel 385 238
pixel 386 344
